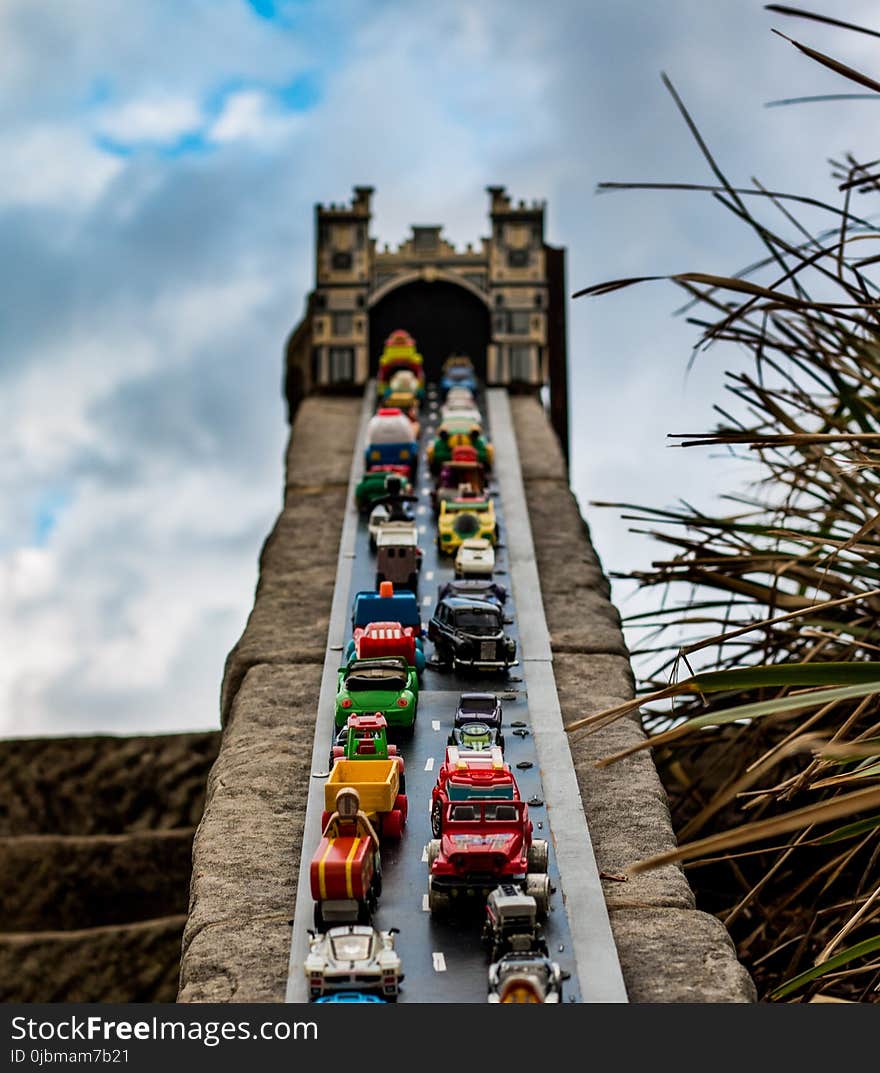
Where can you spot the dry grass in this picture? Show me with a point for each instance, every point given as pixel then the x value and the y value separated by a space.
pixel 771 756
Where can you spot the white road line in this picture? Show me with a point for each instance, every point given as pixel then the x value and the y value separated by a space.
pixel 422 509
pixel 429 764
pixel 429 575
pixel 435 724
pixel 439 961
pixel 425 906
pixel 422 530
pixel 426 601
pixel 425 854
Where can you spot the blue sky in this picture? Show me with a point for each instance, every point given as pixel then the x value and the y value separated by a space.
pixel 157 178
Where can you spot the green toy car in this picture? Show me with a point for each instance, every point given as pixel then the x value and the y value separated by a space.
pixel 374 485
pixel 389 686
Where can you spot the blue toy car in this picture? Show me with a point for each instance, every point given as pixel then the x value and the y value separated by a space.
pixel 350 996
pixel 386 605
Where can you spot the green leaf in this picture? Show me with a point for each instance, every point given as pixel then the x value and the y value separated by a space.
pixel 850 830
pixel 843 958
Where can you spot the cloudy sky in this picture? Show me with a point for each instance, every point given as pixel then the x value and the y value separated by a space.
pixel 159 163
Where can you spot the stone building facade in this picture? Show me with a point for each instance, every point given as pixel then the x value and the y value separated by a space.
pixel 501 301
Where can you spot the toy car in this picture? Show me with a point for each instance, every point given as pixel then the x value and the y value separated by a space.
pixel 477 588
pixel 388 685
pixel 388 605
pixel 525 978
pixel 398 557
pixel 462 476
pixel 350 996
pixel 465 518
pixel 399 352
pixel 374 485
pixel 475 737
pixel 478 708
pixel 453 433
pixel 381 521
pixel 365 737
pixel 345 874
pixel 470 634
pixel 390 439
pixel 379 639
pixel 511 924
pixel 475 558
pixel 458 371
pixel 466 775
pixel 484 843
pixel 355 955
pixel 377 785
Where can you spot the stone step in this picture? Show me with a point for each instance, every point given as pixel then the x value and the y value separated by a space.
pixel 67 882
pixel 103 784
pixel 121 963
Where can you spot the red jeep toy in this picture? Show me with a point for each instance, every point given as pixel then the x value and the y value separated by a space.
pixel 471 776
pixel 482 844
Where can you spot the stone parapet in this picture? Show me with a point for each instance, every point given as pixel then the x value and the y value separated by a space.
pixel 247 847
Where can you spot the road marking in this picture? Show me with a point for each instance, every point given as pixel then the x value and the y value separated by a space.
pixel 439 961
pixel 422 509
pixel 426 490
pixel 429 764
pixel 429 575
pixel 426 601
pixel 425 853
pixel 425 906
pixel 435 724
pixel 422 530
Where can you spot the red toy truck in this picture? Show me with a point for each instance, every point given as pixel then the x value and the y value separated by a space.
pixel 484 843
pixel 345 873
pixel 471 776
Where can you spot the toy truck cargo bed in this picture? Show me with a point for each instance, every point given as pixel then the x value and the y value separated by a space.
pixel 376 781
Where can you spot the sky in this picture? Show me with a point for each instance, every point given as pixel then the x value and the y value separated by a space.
pixel 159 164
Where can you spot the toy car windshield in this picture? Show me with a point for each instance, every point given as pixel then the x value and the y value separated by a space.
pixel 476 735
pixel 474 703
pixel 351 947
pixel 474 621
pixel 501 813
pixel 365 681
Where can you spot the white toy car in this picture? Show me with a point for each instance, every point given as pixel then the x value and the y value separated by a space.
pixel 354 957
pixel 381 522
pixel 475 558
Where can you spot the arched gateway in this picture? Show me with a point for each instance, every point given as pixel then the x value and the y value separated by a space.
pixel 502 302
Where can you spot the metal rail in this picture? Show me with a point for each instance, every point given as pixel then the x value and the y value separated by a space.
pixel 445 963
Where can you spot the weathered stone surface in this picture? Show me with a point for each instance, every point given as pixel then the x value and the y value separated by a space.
pixel 103 784
pixel 124 963
pixel 247 848
pixel 321 442
pixel 540 454
pixel 70 882
pixel 678 955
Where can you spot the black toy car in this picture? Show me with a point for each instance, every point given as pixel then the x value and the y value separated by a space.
pixel 475 588
pixel 469 634
pixel 477 710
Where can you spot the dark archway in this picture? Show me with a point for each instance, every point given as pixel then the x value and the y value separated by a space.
pixel 442 317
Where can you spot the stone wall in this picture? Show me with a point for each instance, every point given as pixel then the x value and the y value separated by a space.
pixel 246 851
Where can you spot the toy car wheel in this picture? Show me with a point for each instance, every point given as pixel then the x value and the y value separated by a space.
pixel 365 912
pixel 438 902
pixel 402 805
pixel 319 917
pixel 392 824
pixel 501 742
pixel 433 851
pixel 539 856
pixel 402 781
pixel 436 819
pixel 538 886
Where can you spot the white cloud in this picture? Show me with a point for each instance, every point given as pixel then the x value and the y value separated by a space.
pixel 252 115
pixel 160 119
pixel 53 166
